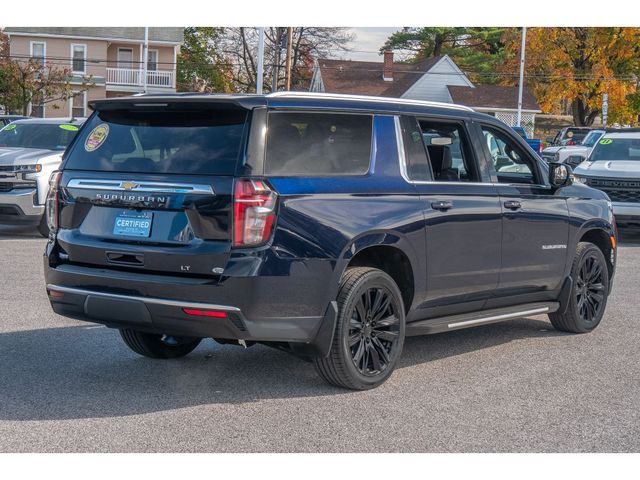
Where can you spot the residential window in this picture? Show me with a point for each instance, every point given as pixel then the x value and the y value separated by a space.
pixel 125 57
pixel 79 58
pixel 37 107
pixel 316 144
pixel 79 104
pixel 38 52
pixel 449 151
pixel 152 60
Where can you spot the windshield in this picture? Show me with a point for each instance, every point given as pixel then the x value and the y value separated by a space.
pixel 49 136
pixel 616 149
pixel 591 139
pixel 197 141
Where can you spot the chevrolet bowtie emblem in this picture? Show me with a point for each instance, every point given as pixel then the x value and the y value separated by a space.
pixel 129 185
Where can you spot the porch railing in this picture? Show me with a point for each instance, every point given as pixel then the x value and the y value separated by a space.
pixel 134 77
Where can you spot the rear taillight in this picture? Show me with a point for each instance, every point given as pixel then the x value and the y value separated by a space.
pixel 254 212
pixel 52 205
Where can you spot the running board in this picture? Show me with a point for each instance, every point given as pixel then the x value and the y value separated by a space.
pixel 466 320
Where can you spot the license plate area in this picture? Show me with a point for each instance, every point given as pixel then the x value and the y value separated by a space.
pixel 133 224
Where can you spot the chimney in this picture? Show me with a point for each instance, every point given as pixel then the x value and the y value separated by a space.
pixel 387 69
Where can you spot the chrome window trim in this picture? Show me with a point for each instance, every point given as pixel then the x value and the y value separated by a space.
pixel 143 186
pixel 403 163
pixel 155 301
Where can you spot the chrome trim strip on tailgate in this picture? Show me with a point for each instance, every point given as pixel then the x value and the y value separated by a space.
pixel 132 186
pixel 156 301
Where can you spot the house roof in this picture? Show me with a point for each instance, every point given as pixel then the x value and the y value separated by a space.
pixel 156 34
pixel 492 96
pixel 365 78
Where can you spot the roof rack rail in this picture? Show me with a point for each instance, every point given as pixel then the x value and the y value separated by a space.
pixel 366 98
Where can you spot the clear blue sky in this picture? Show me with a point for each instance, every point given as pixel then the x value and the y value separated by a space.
pixel 368 39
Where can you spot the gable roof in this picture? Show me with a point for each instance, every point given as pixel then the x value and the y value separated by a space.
pixel 365 78
pixel 493 96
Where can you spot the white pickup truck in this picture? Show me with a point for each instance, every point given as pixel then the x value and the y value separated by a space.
pixel 613 166
pixel 29 151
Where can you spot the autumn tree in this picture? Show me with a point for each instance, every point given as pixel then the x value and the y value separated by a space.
pixel 240 47
pixel 477 51
pixel 24 81
pixel 201 66
pixel 579 65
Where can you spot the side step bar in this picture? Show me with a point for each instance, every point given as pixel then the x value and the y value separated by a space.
pixel 466 320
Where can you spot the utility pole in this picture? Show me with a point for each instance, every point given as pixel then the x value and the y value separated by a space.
pixel 276 63
pixel 260 70
pixel 289 54
pixel 145 59
pixel 520 86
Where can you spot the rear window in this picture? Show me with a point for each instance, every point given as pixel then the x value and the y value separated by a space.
pixel 181 142
pixel 316 144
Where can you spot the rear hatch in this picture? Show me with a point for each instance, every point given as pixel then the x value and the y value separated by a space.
pixel 150 187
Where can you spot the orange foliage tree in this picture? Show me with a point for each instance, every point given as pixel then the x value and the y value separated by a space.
pixel 579 65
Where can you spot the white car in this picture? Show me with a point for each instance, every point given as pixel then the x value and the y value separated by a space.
pixel 613 166
pixel 561 152
pixel 30 150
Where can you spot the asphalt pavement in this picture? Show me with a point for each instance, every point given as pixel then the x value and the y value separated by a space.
pixel 70 386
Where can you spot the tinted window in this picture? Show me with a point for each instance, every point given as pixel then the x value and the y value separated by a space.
pixel 308 144
pixel 448 150
pixel 416 161
pixel 189 142
pixel 37 135
pixel 616 149
pixel 591 139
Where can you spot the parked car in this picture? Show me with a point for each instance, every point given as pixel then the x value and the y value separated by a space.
pixel 324 225
pixel 581 150
pixel 7 119
pixel 534 143
pixel 30 150
pixel 569 136
pixel 613 166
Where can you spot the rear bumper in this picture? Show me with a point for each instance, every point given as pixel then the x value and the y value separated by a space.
pixel 155 303
pixel 20 205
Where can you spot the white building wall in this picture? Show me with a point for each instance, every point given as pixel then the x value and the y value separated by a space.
pixel 432 86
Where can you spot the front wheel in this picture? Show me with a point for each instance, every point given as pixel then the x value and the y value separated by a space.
pixel 158 346
pixel 589 292
pixel 369 332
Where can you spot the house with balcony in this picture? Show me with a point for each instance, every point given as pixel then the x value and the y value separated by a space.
pixel 111 57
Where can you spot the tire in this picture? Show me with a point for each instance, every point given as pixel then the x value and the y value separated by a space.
pixel 589 292
pixel 43 228
pixel 158 346
pixel 376 342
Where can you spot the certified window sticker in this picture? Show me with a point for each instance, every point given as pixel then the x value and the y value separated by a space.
pixel 606 141
pixel 96 137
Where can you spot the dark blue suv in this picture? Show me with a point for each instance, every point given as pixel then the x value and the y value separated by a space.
pixel 328 226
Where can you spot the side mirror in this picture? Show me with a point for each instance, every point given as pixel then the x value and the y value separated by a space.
pixel 574 160
pixel 560 175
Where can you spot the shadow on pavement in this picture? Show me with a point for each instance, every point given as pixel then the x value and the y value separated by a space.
pixel 13 232
pixel 629 237
pixel 83 372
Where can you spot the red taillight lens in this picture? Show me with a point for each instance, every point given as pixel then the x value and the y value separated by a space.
pixel 204 313
pixel 254 212
pixel 52 205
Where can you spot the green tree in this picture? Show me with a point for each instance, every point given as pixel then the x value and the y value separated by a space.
pixel 477 51
pixel 201 67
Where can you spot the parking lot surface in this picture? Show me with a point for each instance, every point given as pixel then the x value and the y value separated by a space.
pixel 72 386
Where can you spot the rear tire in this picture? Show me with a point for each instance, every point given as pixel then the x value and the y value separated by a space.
pixel 589 292
pixel 369 332
pixel 158 346
pixel 43 228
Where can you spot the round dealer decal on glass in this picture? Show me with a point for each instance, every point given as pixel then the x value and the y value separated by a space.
pixel 96 138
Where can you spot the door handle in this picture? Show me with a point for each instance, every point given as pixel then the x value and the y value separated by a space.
pixel 512 205
pixel 441 205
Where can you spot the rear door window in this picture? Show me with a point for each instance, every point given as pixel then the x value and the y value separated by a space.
pixel 181 142
pixel 317 144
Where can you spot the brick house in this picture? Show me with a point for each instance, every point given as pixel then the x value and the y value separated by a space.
pixel 435 79
pixel 112 56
